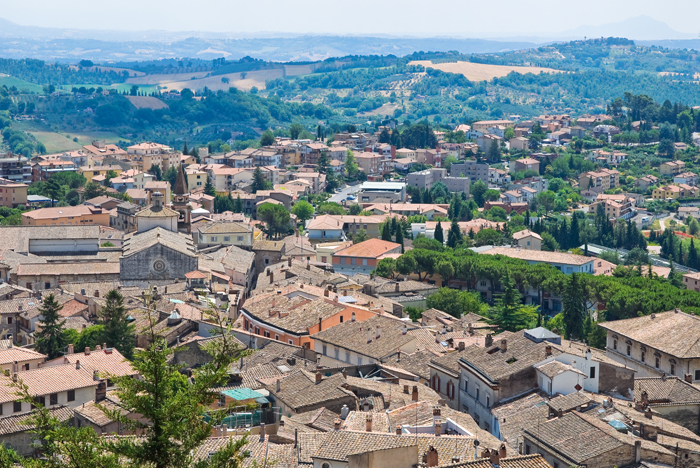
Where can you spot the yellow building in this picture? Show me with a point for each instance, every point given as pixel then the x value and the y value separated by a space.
pixel 81 215
pixel 12 193
pixel 674 192
pixel 92 171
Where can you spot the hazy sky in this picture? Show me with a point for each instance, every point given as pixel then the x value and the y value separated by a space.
pixel 409 17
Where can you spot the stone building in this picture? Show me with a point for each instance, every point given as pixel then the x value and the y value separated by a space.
pixel 267 253
pixel 158 254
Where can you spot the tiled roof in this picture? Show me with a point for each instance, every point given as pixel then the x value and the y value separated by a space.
pixel 415 363
pixel 94 413
pixel 494 363
pixel 16 423
pixel 337 445
pixel 62 212
pixel 539 256
pixel 674 332
pixel 553 368
pixel 157 212
pixel 394 395
pixel 91 268
pixel 357 421
pixel 299 389
pixel 268 245
pixel 10 355
pixel 568 402
pixel 526 233
pixel 666 390
pixel 225 227
pixel 112 362
pixel 17 237
pixel 47 380
pixel 371 248
pixel 526 411
pixel 135 243
pixel 354 336
pixel 296 315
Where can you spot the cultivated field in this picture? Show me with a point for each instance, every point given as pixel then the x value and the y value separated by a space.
pixel 59 142
pixel 481 71
pixel 386 109
pixel 23 86
pixel 100 68
pixel 161 78
pixel 146 102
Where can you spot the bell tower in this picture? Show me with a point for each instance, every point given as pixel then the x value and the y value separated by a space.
pixel 181 202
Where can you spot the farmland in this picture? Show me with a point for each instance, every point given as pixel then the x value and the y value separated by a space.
pixel 481 71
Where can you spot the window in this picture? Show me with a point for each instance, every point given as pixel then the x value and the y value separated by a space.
pixel 240 238
pixel 477 393
pixel 324 350
pixel 53 399
pixel 16 406
pixel 42 400
pixel 615 344
pixel 9 320
pixel 47 285
pixel 227 238
pixel 556 465
pixel 643 356
pixel 527 450
pixel 71 395
pixel 359 360
pixel 593 372
pixel 347 356
pixel 257 330
pixel 364 261
pixel 673 369
pixel 290 342
pixel 466 386
pixel 267 334
pixel 277 337
pixel 488 401
pixel 214 238
pixel 657 362
pixel 26 366
pixel 629 350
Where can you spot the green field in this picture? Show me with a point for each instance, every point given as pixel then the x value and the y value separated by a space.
pixel 58 142
pixel 25 86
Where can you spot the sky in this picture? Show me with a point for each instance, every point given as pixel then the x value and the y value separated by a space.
pixel 466 18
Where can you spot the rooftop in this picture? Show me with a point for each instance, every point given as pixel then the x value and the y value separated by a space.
pixel 371 248
pixel 539 256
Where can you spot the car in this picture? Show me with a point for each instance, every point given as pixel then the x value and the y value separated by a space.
pixel 645 219
pixel 351 197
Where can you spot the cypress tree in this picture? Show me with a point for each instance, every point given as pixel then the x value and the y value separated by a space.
pixel 399 238
pixel 693 256
pixel 184 149
pixel 118 332
pixel 439 236
pixel 386 231
pixel 454 235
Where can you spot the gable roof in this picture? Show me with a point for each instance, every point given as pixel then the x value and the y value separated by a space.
pixel 139 241
pixel 371 248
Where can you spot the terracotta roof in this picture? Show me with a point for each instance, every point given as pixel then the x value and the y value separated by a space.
pixel 338 445
pixel 672 390
pixel 62 212
pixel 10 355
pixel 47 380
pixel 539 256
pixel 674 332
pixel 371 248
pixel 553 368
pixel 105 361
pixel 93 413
pixel 135 243
pixel 92 268
pixel 17 422
pixel 299 389
pixel 526 233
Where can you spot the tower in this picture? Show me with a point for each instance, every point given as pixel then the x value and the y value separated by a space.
pixel 181 202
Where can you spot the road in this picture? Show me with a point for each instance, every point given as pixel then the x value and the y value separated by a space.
pixel 343 194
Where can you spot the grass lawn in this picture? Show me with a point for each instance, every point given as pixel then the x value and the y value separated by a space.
pixel 25 86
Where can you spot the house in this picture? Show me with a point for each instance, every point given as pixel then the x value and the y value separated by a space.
pixel 519 143
pixel 499 176
pixel 513 196
pixel 79 215
pixel 527 164
pixel 486 141
pixel 408 209
pixel 600 180
pixel 224 233
pixel 49 275
pixel 100 148
pixel 616 206
pixel 528 240
pixel 564 262
pixel 157 254
pixel 674 192
pixel 373 163
pixel 12 193
pixel 336 228
pixel 17 432
pixel 14 358
pixel 471 169
pixel 157 215
pixel 656 344
pixel 672 168
pixel 363 257
pixel 484 125
pixel 689 178
pixel 45 169
pixel 646 182
pixel 92 171
pixel 392 191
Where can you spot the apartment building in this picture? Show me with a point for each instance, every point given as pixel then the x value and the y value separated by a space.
pixel 12 193
pixel 80 215
pixel 600 180
pixel 672 168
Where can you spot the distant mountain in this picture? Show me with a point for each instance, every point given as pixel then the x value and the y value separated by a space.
pixel 640 27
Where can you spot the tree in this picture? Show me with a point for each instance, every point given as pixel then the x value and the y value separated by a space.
pixel 237 204
pixel 422 242
pixel 303 211
pixel 488 237
pixel 509 314
pixel 50 339
pixel 209 188
pixel 454 236
pixel 295 129
pixel 259 181
pixel 386 231
pixel 170 175
pixel 438 236
pixel 478 189
pixel 360 236
pixel 575 310
pixel 455 302
pixel 351 167
pixel 118 332
pixel 276 218
pixel 666 148
pixel 399 238
pixel 52 189
pixel 184 148
pixel 156 171
pixel 547 199
pixel 494 151
pixel 386 268
pixel 267 138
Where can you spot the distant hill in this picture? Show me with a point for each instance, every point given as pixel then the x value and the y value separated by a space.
pixel 640 27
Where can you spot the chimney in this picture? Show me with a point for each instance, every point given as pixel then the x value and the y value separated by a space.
pixel 689 378
pixel 296 437
pixel 326 292
pixel 461 346
pixel 397 286
pixel 502 453
pixel 405 389
pixel 414 395
pixel 289 261
pixel 320 323
pixel 319 377
pixel 96 375
pixel 14 377
pixel 272 277
pixel 336 425
pixel 368 422
pixel 98 348
pixel 647 413
pixel 87 350
pixel 344 411
pixel 378 332
pixel 345 373
pixel 432 457
pixel 470 329
pixel 438 427
pixel 70 348
pixel 494 457
pixel 15 367
pixel 637 451
pixel 369 335
pixel 488 341
pixel 77 364
pixel 398 356
pixel 399 431
pixel 97 293
pixel 504 345
pixel 262 432
pixel 548 350
pixel 405 329
pixel 277 385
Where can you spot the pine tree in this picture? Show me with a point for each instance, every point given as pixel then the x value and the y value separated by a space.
pixel 50 340
pixel 693 256
pixel 438 233
pixel 394 225
pixel 259 182
pixel 238 205
pixel 118 332
pixel 209 188
pixel 454 236
pixel 509 314
pixel 184 149
pixel 574 232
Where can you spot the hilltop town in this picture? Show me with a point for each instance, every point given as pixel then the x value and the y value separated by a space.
pixel 506 293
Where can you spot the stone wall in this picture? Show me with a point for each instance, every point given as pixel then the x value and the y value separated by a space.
pixel 157 263
pixel 683 415
pixel 615 379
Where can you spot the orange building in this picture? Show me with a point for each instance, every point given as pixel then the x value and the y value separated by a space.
pixel 12 193
pixel 81 215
